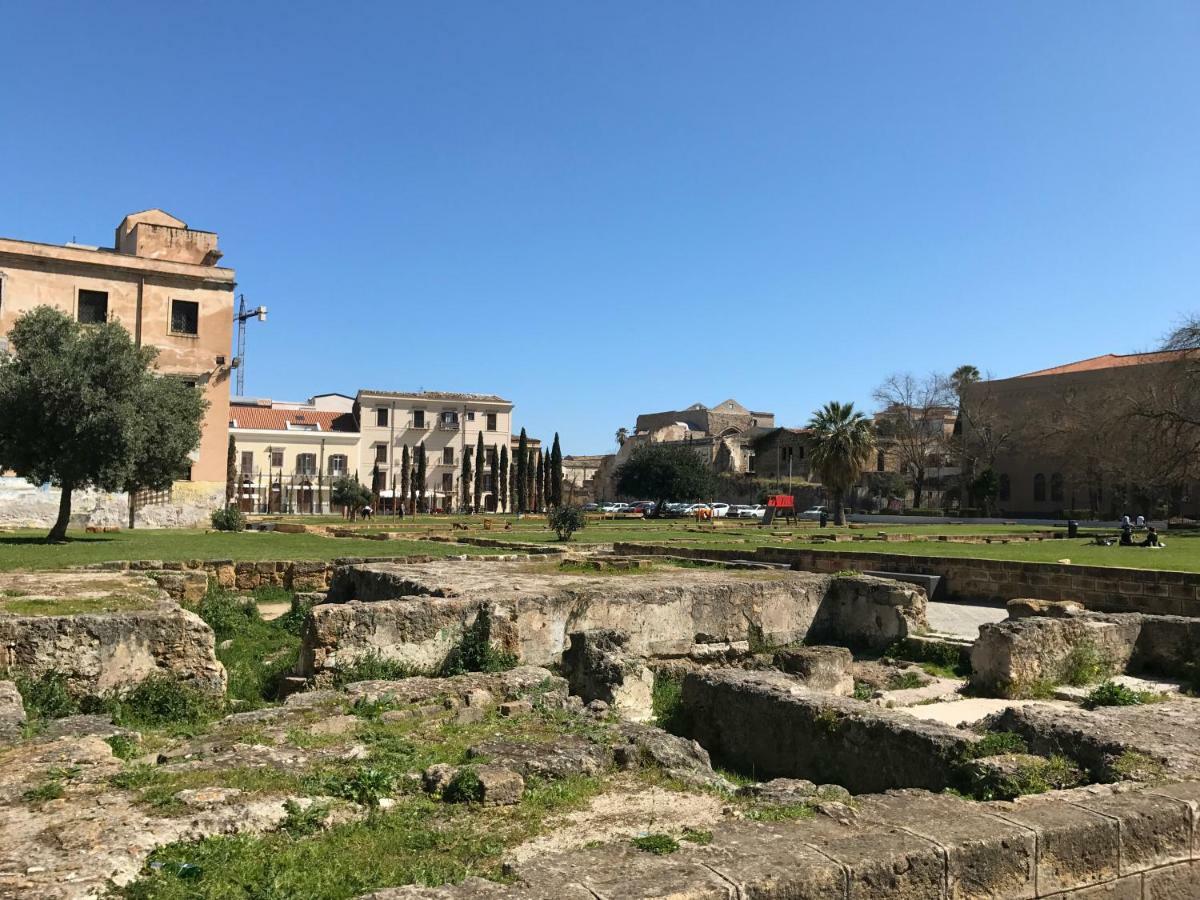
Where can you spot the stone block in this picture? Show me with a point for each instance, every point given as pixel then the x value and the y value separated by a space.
pixel 598 668
pixel 499 786
pixel 1023 607
pixel 1076 848
pixel 818 668
pixel 881 863
pixel 1154 831
pixel 12 711
pixel 516 708
pixel 1179 882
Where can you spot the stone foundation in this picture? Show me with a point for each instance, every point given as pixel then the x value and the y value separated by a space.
pixel 665 614
pixel 23 505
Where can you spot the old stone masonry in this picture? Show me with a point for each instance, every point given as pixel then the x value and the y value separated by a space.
pixel 597 728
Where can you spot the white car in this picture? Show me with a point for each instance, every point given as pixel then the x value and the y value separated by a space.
pixel 611 507
pixel 719 510
pixel 758 511
pixel 815 512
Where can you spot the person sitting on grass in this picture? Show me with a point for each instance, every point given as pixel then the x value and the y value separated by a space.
pixel 1151 538
pixel 1126 533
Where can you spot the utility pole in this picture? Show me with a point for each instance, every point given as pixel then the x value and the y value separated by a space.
pixel 243 316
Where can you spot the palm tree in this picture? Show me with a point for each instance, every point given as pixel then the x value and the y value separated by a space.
pixel 622 436
pixel 842 444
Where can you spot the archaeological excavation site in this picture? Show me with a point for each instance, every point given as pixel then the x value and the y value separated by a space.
pixel 611 723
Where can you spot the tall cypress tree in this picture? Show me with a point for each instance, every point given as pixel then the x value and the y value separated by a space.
pixel 502 484
pixel 421 472
pixel 522 472
pixel 466 480
pixel 494 472
pixel 231 474
pixel 539 483
pixel 556 473
pixel 477 503
pixel 405 465
pixel 530 475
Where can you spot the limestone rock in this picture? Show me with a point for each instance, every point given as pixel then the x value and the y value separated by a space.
pixel 1023 607
pixel 599 668
pixel 516 708
pixel 12 711
pixel 819 668
pixel 499 786
pixel 437 777
pixel 566 757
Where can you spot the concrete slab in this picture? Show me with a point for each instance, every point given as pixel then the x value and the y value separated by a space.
pixel 968 710
pixel 963 619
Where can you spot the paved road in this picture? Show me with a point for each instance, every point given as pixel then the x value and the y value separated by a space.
pixel 962 618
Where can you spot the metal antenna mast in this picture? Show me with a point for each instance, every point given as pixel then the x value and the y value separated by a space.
pixel 242 317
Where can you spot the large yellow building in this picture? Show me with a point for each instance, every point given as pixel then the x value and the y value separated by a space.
pixel 160 279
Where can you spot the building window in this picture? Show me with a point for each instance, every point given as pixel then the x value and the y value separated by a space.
pixel 470 416
pixel 447 483
pixel 1005 489
pixel 381 453
pixel 277 459
pixel 247 462
pixel 418 418
pixel 491 422
pixel 306 464
pixel 490 454
pixel 381 417
pixel 337 465
pixel 93 307
pixel 880 461
pixel 448 455
pixel 449 417
pixel 185 317
pixel 1056 486
pixel 1039 487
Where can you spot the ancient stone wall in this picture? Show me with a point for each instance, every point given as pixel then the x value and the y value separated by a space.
pixel 101 652
pixel 1098 587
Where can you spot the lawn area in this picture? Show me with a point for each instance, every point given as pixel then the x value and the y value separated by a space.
pixel 26 549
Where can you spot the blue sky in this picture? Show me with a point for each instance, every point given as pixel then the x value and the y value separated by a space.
pixel 597 209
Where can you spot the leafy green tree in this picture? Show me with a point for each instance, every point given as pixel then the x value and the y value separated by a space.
pixel 494 472
pixel 522 472
pixel 405 473
pixel 842 443
pixel 556 473
pixel 167 430
pixel 73 410
pixel 985 488
pixel 664 472
pixel 465 479
pixel 566 520
pixel 477 499
pixel 502 484
pixel 349 493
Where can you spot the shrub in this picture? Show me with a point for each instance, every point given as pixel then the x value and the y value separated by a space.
pixel 1085 664
pixel 306 820
pixel 903 681
pixel 475 652
pixel 465 787
pixel 1112 694
pixel 995 743
pixel 372 667
pixel 164 700
pixel 123 746
pixel 227 614
pixel 658 844
pixel 228 518
pixel 47 697
pixel 566 520
pixel 365 786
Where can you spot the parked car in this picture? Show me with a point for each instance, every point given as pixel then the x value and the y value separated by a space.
pixel 645 507
pixel 736 510
pixel 611 506
pixel 758 511
pixel 815 512
pixel 719 510
pixel 590 507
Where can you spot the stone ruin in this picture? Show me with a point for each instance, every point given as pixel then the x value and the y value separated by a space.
pixel 861 776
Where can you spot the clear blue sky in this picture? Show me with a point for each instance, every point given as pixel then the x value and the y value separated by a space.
pixel 597 209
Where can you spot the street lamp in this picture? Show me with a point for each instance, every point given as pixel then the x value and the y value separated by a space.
pixel 243 316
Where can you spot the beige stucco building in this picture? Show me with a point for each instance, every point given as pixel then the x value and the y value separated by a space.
pixel 288 454
pixel 160 279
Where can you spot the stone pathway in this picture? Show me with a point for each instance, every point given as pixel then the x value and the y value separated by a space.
pixel 963 619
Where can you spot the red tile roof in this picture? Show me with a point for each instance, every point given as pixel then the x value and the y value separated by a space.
pixel 1111 361
pixel 279 419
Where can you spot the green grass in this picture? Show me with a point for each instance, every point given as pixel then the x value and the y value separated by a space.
pixel 71 606
pixel 1112 694
pixel 658 844
pixel 27 549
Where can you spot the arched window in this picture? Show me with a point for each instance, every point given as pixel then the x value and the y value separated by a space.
pixel 1039 487
pixel 1005 489
pixel 1056 486
pixel 880 461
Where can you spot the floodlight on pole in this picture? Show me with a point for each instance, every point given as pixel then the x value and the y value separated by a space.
pixel 243 316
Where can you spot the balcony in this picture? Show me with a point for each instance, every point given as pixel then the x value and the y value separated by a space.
pixel 444 425
pixel 414 426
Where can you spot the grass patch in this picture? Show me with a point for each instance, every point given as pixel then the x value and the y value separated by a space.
pixel 48 606
pixel 1035 777
pixel 939 660
pixel 667 704
pixel 903 681
pixel 124 747
pixel 373 667
pixel 995 743
pixel 694 836
pixel 475 653
pixel 259 654
pixel 658 844
pixel 1134 766
pixel 51 789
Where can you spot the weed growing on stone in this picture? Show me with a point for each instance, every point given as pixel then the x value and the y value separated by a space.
pixel 50 789
pixel 1112 694
pixel 475 652
pixel 863 691
pixel 256 654
pixel 464 788
pixel 695 836
pixel 1034 777
pixel 1085 664
pixel 1134 766
pixel 828 719
pixel 995 743
pixel 373 667
pixel 123 746
pixel 371 709
pixel 902 681
pixel 658 844
pixel 47 697
pixel 667 704
pixel 940 660
pixel 365 785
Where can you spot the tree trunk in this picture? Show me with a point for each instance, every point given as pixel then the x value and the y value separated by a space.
pixel 839 509
pixel 133 508
pixel 58 533
pixel 918 488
